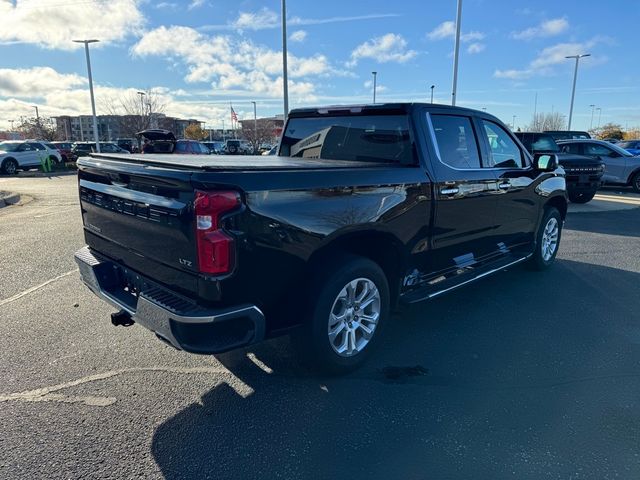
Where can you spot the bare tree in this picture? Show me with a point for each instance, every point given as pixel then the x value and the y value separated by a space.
pixel 42 128
pixel 136 112
pixel 264 133
pixel 547 121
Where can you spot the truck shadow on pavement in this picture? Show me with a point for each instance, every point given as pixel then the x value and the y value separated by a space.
pixel 523 375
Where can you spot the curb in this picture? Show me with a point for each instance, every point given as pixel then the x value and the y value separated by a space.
pixel 34 174
pixel 8 199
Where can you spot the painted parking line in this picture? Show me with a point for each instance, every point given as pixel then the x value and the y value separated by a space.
pixel 618 199
pixel 37 287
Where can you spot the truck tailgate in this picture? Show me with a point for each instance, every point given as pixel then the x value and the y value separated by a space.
pixel 141 216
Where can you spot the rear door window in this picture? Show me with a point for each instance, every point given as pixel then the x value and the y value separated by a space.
pixel 457 142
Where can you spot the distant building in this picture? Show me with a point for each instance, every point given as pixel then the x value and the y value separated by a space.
pixel 275 125
pixel 111 127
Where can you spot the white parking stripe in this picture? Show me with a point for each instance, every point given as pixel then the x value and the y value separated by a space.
pixel 37 287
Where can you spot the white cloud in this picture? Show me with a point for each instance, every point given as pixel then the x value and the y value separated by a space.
pixel 232 64
pixel 551 56
pixel 195 4
pixel 448 30
pixel 62 94
pixel 548 28
pixel 379 87
pixel 53 24
pixel 475 47
pixel 262 19
pixel 267 18
pixel 387 48
pixel 29 82
pixel 298 36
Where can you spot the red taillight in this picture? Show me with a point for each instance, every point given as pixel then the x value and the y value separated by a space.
pixel 215 248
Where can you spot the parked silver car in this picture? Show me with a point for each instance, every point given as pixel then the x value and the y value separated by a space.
pixel 621 167
pixel 26 154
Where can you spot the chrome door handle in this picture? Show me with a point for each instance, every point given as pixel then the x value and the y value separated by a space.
pixel 449 191
pixel 504 186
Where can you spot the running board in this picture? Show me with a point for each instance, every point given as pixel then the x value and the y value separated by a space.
pixel 420 295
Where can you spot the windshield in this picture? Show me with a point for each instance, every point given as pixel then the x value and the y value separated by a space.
pixel 9 146
pixel 627 144
pixel 372 138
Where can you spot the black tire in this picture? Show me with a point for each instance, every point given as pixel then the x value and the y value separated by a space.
pixel 582 197
pixel 54 160
pixel 540 260
pixel 10 166
pixel 635 182
pixel 312 340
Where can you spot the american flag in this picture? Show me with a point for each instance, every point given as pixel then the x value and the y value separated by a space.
pixel 234 117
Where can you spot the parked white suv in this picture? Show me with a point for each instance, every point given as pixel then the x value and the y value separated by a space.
pixel 26 154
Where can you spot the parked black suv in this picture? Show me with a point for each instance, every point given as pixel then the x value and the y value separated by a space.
pixel 583 174
pixel 365 207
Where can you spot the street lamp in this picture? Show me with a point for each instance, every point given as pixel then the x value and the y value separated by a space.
pixel 93 102
pixel 599 115
pixel 255 125
pixel 285 86
pixel 38 121
pixel 142 94
pixel 375 77
pixel 432 87
pixel 592 109
pixel 456 52
pixel 575 76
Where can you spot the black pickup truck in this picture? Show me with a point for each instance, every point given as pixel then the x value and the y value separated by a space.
pixel 363 209
pixel 582 174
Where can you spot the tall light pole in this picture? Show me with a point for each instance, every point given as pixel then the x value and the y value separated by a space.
pixel 599 115
pixel 375 79
pixel 285 82
pixel 38 120
pixel 142 94
pixel 575 76
pixel 593 107
pixel 513 123
pixel 93 102
pixel 432 87
pixel 456 53
pixel 255 125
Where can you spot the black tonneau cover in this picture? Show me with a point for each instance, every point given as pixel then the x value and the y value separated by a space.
pixel 235 162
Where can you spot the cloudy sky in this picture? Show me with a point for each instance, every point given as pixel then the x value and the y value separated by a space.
pixel 200 54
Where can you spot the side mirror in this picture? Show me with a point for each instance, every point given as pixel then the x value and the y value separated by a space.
pixel 546 162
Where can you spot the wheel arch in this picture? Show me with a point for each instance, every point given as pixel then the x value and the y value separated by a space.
pixel 632 175
pixel 381 247
pixel 560 203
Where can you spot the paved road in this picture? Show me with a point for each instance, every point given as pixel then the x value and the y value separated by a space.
pixel 529 375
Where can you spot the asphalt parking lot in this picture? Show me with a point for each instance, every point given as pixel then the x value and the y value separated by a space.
pixel 523 375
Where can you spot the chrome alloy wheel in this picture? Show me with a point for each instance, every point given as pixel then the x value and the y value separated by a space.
pixel 550 239
pixel 354 317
